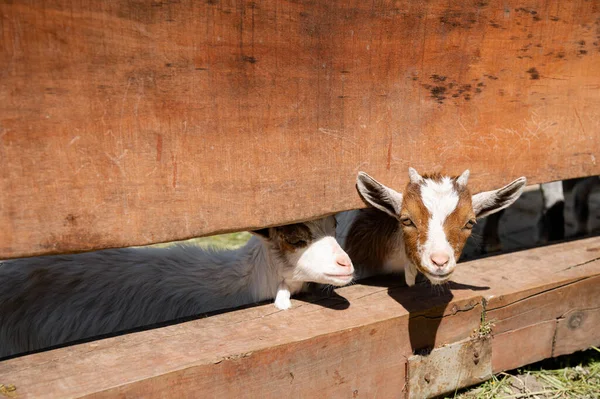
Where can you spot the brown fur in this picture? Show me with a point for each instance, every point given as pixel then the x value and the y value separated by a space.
pixel 436 176
pixel 370 238
pixel 413 208
pixel 293 236
pixel 454 226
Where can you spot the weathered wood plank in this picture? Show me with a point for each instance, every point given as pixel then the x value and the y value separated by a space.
pixel 337 369
pixel 552 304
pixel 327 350
pixel 356 343
pixel 466 362
pixel 516 348
pixel 578 329
pixel 126 123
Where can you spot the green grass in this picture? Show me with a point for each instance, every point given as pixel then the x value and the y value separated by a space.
pixel 228 241
pixel 572 376
pixel 485 325
pixel 224 241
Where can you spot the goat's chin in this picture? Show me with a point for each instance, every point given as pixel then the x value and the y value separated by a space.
pixel 437 276
pixel 325 275
pixel 333 279
pixel 339 281
pixel 437 280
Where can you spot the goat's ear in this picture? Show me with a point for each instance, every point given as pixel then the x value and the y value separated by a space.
pixel 414 176
pixel 463 179
pixel 264 233
pixel 488 202
pixel 376 194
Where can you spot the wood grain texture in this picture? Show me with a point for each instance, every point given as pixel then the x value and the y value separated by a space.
pixel 130 122
pixel 577 329
pixel 354 344
pixel 517 348
pixel 463 363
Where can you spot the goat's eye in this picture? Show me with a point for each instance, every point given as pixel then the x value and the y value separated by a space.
pixel 406 221
pixel 469 225
pixel 297 242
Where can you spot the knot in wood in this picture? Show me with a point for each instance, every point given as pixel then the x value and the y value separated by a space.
pixel 576 320
pixel 476 357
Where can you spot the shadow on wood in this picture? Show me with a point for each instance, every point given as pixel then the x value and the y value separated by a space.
pixel 426 304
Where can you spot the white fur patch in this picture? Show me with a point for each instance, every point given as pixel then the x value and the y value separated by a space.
pixel 440 199
pixel 282 299
pixel 318 263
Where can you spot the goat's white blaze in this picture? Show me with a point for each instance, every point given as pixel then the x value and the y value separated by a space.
pixel 440 198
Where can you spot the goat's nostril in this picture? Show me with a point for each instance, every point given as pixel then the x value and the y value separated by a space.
pixel 440 259
pixel 343 261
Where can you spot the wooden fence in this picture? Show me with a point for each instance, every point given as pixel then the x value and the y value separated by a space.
pixel 135 122
pixel 127 123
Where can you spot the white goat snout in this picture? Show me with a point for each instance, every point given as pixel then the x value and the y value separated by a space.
pixel 324 262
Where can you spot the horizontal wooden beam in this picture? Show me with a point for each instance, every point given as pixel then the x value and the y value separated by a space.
pixel 542 302
pixel 127 123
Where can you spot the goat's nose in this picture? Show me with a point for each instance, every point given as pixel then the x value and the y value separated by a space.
pixel 440 259
pixel 343 260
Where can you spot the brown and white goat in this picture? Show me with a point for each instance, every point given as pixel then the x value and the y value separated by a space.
pixel 422 230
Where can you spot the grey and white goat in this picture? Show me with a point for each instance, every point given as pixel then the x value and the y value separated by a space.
pixel 51 300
